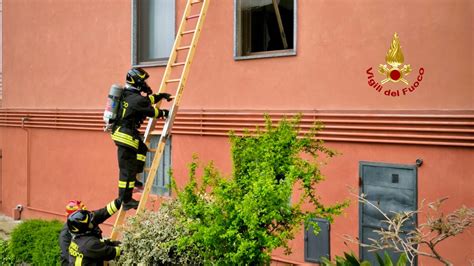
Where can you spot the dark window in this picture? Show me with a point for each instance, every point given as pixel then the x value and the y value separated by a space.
pixel 317 246
pixel 265 27
pixel 153 31
pixel 162 177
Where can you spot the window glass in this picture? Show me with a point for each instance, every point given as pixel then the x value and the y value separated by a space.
pixel 154 26
pixel 265 26
pixel 162 177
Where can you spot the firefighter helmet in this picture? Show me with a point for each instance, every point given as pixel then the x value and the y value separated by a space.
pixel 80 222
pixel 136 77
pixel 73 206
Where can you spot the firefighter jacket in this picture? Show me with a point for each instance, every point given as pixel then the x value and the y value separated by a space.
pixel 89 249
pixel 133 110
pixel 100 216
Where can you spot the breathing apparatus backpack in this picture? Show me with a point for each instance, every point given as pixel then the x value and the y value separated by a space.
pixel 112 106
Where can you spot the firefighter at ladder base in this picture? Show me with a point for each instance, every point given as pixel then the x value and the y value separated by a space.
pixel 65 236
pixel 131 151
pixel 81 239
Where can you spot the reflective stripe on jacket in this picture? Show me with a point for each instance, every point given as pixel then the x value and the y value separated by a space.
pixel 90 250
pixel 134 108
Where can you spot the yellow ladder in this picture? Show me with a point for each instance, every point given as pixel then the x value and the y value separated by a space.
pixel 176 74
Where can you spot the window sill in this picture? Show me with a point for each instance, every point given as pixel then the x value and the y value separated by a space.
pixel 270 54
pixel 151 64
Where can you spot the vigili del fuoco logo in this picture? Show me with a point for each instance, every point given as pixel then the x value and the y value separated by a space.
pixel 394 72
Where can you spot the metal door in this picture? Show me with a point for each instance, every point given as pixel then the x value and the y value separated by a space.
pixel 317 246
pixel 393 189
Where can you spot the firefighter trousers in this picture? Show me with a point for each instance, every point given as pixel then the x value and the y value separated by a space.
pixel 131 162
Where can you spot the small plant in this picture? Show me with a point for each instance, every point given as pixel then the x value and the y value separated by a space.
pixel 350 259
pixel 437 228
pixel 36 242
pixel 387 261
pixel 153 238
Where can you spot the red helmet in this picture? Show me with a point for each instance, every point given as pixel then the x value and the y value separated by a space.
pixel 74 205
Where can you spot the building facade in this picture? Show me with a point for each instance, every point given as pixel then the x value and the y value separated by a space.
pixel 398 108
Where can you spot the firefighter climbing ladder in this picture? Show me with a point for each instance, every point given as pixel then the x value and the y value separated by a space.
pixel 176 73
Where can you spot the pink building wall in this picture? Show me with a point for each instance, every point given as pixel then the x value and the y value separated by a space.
pixel 60 57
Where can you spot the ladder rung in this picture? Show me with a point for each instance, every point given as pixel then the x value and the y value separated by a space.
pixel 183 48
pixel 188 32
pixel 196 2
pixel 193 16
pixel 178 64
pixel 173 80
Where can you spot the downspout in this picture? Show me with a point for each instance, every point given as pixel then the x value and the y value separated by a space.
pixel 23 120
pixel 19 208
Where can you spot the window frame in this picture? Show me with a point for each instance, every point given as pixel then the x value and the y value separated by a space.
pixel 134 40
pixel 266 54
pixel 167 153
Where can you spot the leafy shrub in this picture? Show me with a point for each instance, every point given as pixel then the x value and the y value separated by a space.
pixel 6 257
pixel 22 240
pixel 237 220
pixel 47 250
pixel 36 242
pixel 153 238
pixel 240 220
pixel 350 259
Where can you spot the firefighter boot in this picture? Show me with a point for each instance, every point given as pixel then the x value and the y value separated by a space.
pixel 138 187
pixel 132 204
pixel 125 194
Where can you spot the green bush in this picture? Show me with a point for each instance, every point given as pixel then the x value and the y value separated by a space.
pixel 47 250
pixel 22 240
pixel 36 242
pixel 153 238
pixel 6 257
pixel 241 219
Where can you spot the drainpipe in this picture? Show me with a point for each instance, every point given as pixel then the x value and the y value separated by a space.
pixel 23 120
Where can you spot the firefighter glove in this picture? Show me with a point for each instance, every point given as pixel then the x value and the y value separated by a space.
pixel 163 113
pixel 113 243
pixel 160 96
